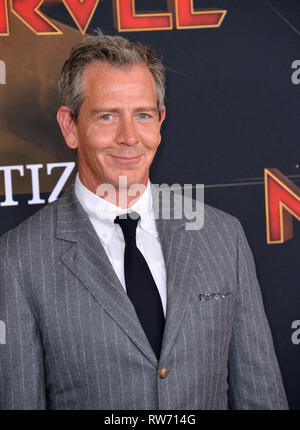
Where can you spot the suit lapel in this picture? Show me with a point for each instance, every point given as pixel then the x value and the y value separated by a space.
pixel 88 261
pixel 177 250
pixel 179 253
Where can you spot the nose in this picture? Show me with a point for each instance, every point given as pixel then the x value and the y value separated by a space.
pixel 127 133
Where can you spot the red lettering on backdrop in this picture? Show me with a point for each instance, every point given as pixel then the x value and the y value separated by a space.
pixel 81 11
pixel 4 30
pixel 282 203
pixel 28 12
pixel 126 19
pixel 187 17
pixel 125 16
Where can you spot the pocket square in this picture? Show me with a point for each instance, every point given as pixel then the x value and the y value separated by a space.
pixel 212 296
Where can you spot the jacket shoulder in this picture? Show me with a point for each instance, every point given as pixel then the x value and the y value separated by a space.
pixel 216 217
pixel 39 227
pixel 220 228
pixel 30 229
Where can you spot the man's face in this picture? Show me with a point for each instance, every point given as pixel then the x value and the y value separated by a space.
pixel 118 128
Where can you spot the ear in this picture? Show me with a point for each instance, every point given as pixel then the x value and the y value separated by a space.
pixel 161 119
pixel 67 126
pixel 162 115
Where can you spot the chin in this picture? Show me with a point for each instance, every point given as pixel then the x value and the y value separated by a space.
pixel 131 179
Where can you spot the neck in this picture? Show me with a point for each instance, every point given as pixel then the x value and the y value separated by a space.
pixel 121 195
pixel 124 197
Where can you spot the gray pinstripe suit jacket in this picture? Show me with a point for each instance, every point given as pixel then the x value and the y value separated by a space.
pixel 73 339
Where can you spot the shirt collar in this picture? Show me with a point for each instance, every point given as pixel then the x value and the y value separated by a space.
pixel 102 213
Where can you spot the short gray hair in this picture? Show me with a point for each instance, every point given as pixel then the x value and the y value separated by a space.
pixel 113 50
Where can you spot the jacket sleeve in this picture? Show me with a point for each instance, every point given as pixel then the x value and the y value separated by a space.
pixel 254 376
pixel 22 382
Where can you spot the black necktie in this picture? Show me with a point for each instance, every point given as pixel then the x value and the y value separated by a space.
pixel 140 285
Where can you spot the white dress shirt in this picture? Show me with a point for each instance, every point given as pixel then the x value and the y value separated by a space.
pixel 102 214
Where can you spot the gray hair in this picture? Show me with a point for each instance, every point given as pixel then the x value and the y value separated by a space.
pixel 113 50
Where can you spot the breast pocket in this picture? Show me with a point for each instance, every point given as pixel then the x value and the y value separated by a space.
pixel 217 305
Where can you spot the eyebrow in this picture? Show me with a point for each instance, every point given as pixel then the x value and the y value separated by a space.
pixel 139 109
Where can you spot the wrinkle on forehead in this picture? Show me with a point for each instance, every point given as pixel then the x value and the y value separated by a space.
pixel 107 86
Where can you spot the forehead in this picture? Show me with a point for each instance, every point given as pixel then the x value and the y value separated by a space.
pixel 101 78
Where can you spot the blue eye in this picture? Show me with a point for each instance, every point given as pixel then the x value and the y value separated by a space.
pixel 143 115
pixel 106 117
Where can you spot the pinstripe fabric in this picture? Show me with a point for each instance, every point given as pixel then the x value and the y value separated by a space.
pixel 74 341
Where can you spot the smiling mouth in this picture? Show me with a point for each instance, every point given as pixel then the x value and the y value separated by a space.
pixel 131 159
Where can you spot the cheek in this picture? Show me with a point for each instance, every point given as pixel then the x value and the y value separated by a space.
pixel 97 138
pixel 151 137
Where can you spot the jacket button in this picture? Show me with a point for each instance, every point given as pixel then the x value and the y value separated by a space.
pixel 163 372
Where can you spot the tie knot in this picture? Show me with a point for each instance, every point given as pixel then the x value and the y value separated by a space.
pixel 128 223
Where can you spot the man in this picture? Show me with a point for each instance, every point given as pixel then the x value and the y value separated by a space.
pixel 108 312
